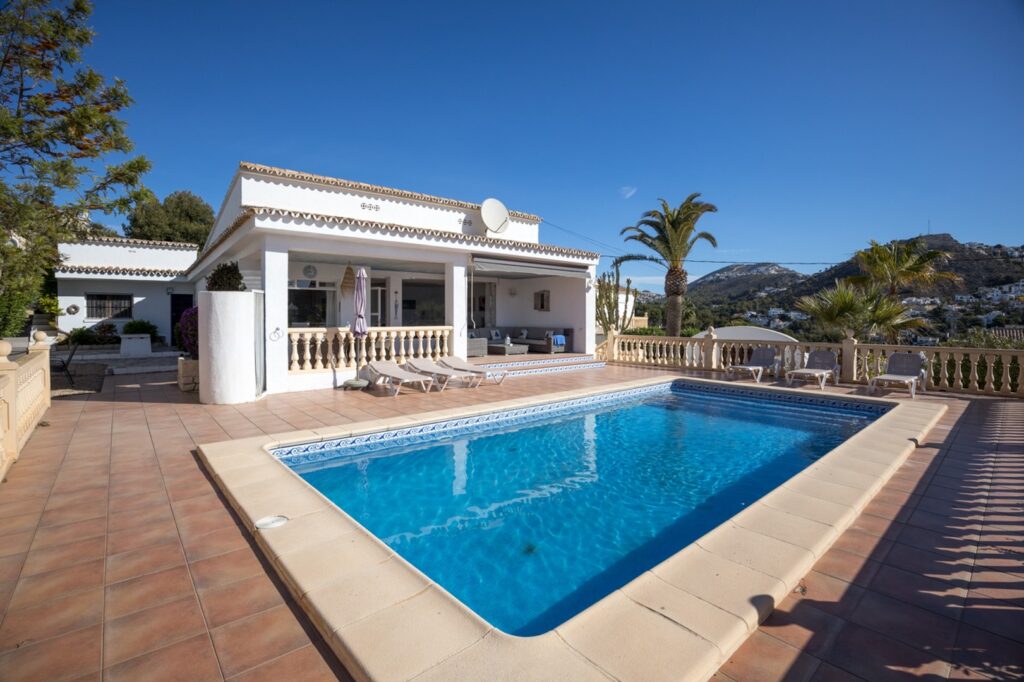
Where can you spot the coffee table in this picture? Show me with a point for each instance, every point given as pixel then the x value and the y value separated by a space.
pixel 503 349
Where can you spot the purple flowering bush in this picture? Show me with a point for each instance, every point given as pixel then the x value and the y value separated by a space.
pixel 188 332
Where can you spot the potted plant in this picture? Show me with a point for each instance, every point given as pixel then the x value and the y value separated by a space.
pixel 188 362
pixel 227 349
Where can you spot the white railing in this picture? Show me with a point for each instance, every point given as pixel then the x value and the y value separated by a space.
pixel 325 348
pixel 985 371
pixel 24 396
pixel 658 351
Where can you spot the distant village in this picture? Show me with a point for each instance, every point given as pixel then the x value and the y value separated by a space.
pixel 988 307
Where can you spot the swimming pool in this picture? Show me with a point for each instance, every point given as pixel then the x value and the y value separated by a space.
pixel 529 516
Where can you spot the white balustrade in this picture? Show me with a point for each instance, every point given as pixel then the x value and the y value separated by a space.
pixel 325 348
pixel 962 370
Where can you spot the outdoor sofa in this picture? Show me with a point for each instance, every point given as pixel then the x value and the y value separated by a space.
pixel 539 339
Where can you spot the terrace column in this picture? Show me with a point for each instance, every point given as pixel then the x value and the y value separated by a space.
pixel 455 304
pixel 275 301
pixel 848 370
pixel 589 344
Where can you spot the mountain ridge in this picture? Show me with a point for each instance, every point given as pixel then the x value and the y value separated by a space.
pixel 977 264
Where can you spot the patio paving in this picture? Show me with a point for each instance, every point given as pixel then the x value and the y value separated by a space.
pixel 118 556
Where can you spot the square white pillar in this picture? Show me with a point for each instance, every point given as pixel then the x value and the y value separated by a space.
pixel 589 343
pixel 275 301
pixel 455 305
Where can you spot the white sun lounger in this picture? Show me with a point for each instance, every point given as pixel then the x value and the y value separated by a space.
pixel 392 374
pixel 495 375
pixel 442 375
pixel 760 360
pixel 907 369
pixel 820 365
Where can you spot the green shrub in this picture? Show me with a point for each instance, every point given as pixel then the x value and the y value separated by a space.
pixel 106 333
pixel 82 336
pixel 49 304
pixel 141 327
pixel 225 277
pixel 645 331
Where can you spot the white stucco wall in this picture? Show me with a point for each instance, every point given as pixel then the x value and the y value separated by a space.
pixel 150 301
pixel 273 192
pixel 227 370
pixel 125 254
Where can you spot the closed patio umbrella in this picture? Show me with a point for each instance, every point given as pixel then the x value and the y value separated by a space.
pixel 359 323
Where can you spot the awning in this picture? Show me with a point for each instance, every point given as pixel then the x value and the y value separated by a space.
pixel 523 269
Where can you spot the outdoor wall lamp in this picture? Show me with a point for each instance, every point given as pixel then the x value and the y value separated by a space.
pixel 169 290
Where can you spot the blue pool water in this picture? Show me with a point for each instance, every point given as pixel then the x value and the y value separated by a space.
pixel 530 522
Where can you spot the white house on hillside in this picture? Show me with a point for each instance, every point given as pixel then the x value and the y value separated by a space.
pixel 437 277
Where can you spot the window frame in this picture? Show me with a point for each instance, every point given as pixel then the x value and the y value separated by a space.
pixel 108 306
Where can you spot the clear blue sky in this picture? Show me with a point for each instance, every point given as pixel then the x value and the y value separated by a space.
pixel 814 126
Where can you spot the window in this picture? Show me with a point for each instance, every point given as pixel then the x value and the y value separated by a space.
pixel 542 300
pixel 108 306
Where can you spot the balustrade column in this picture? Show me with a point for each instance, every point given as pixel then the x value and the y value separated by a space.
pixel 318 338
pixel 306 364
pixel 293 339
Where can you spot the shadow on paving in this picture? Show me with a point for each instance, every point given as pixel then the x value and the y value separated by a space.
pixel 929 582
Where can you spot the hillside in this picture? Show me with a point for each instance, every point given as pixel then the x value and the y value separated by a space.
pixel 977 264
pixel 741 282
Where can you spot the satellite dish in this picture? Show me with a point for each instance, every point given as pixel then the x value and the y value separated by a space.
pixel 495 215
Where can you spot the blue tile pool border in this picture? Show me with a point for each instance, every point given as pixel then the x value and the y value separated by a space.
pixel 307 453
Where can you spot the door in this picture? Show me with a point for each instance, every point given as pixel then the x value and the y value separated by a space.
pixel 179 304
pixel 378 306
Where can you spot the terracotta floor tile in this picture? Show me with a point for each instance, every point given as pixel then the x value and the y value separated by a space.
pixel 52 536
pixel 938 596
pixel 239 599
pixel 73 513
pixel 225 568
pixel 142 561
pixel 147 591
pixel 828 594
pixel 863 544
pixel 134 518
pixel 764 658
pixel 220 541
pixel 800 624
pixel 55 617
pixel 991 655
pixel 909 624
pixel 876 657
pixel 63 581
pixel 69 657
pixel 851 568
pixel 18 523
pixel 10 567
pixel 1002 618
pixel 129 539
pixel 205 522
pixel 827 672
pixel 247 643
pixel 944 567
pixel 154 628
pixel 191 660
pixel 61 556
pixel 306 664
pixel 198 505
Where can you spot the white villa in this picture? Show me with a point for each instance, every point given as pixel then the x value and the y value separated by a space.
pixel 437 278
pixel 110 280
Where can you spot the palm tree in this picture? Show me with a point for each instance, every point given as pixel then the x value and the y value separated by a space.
pixel 896 266
pixel 858 312
pixel 670 233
